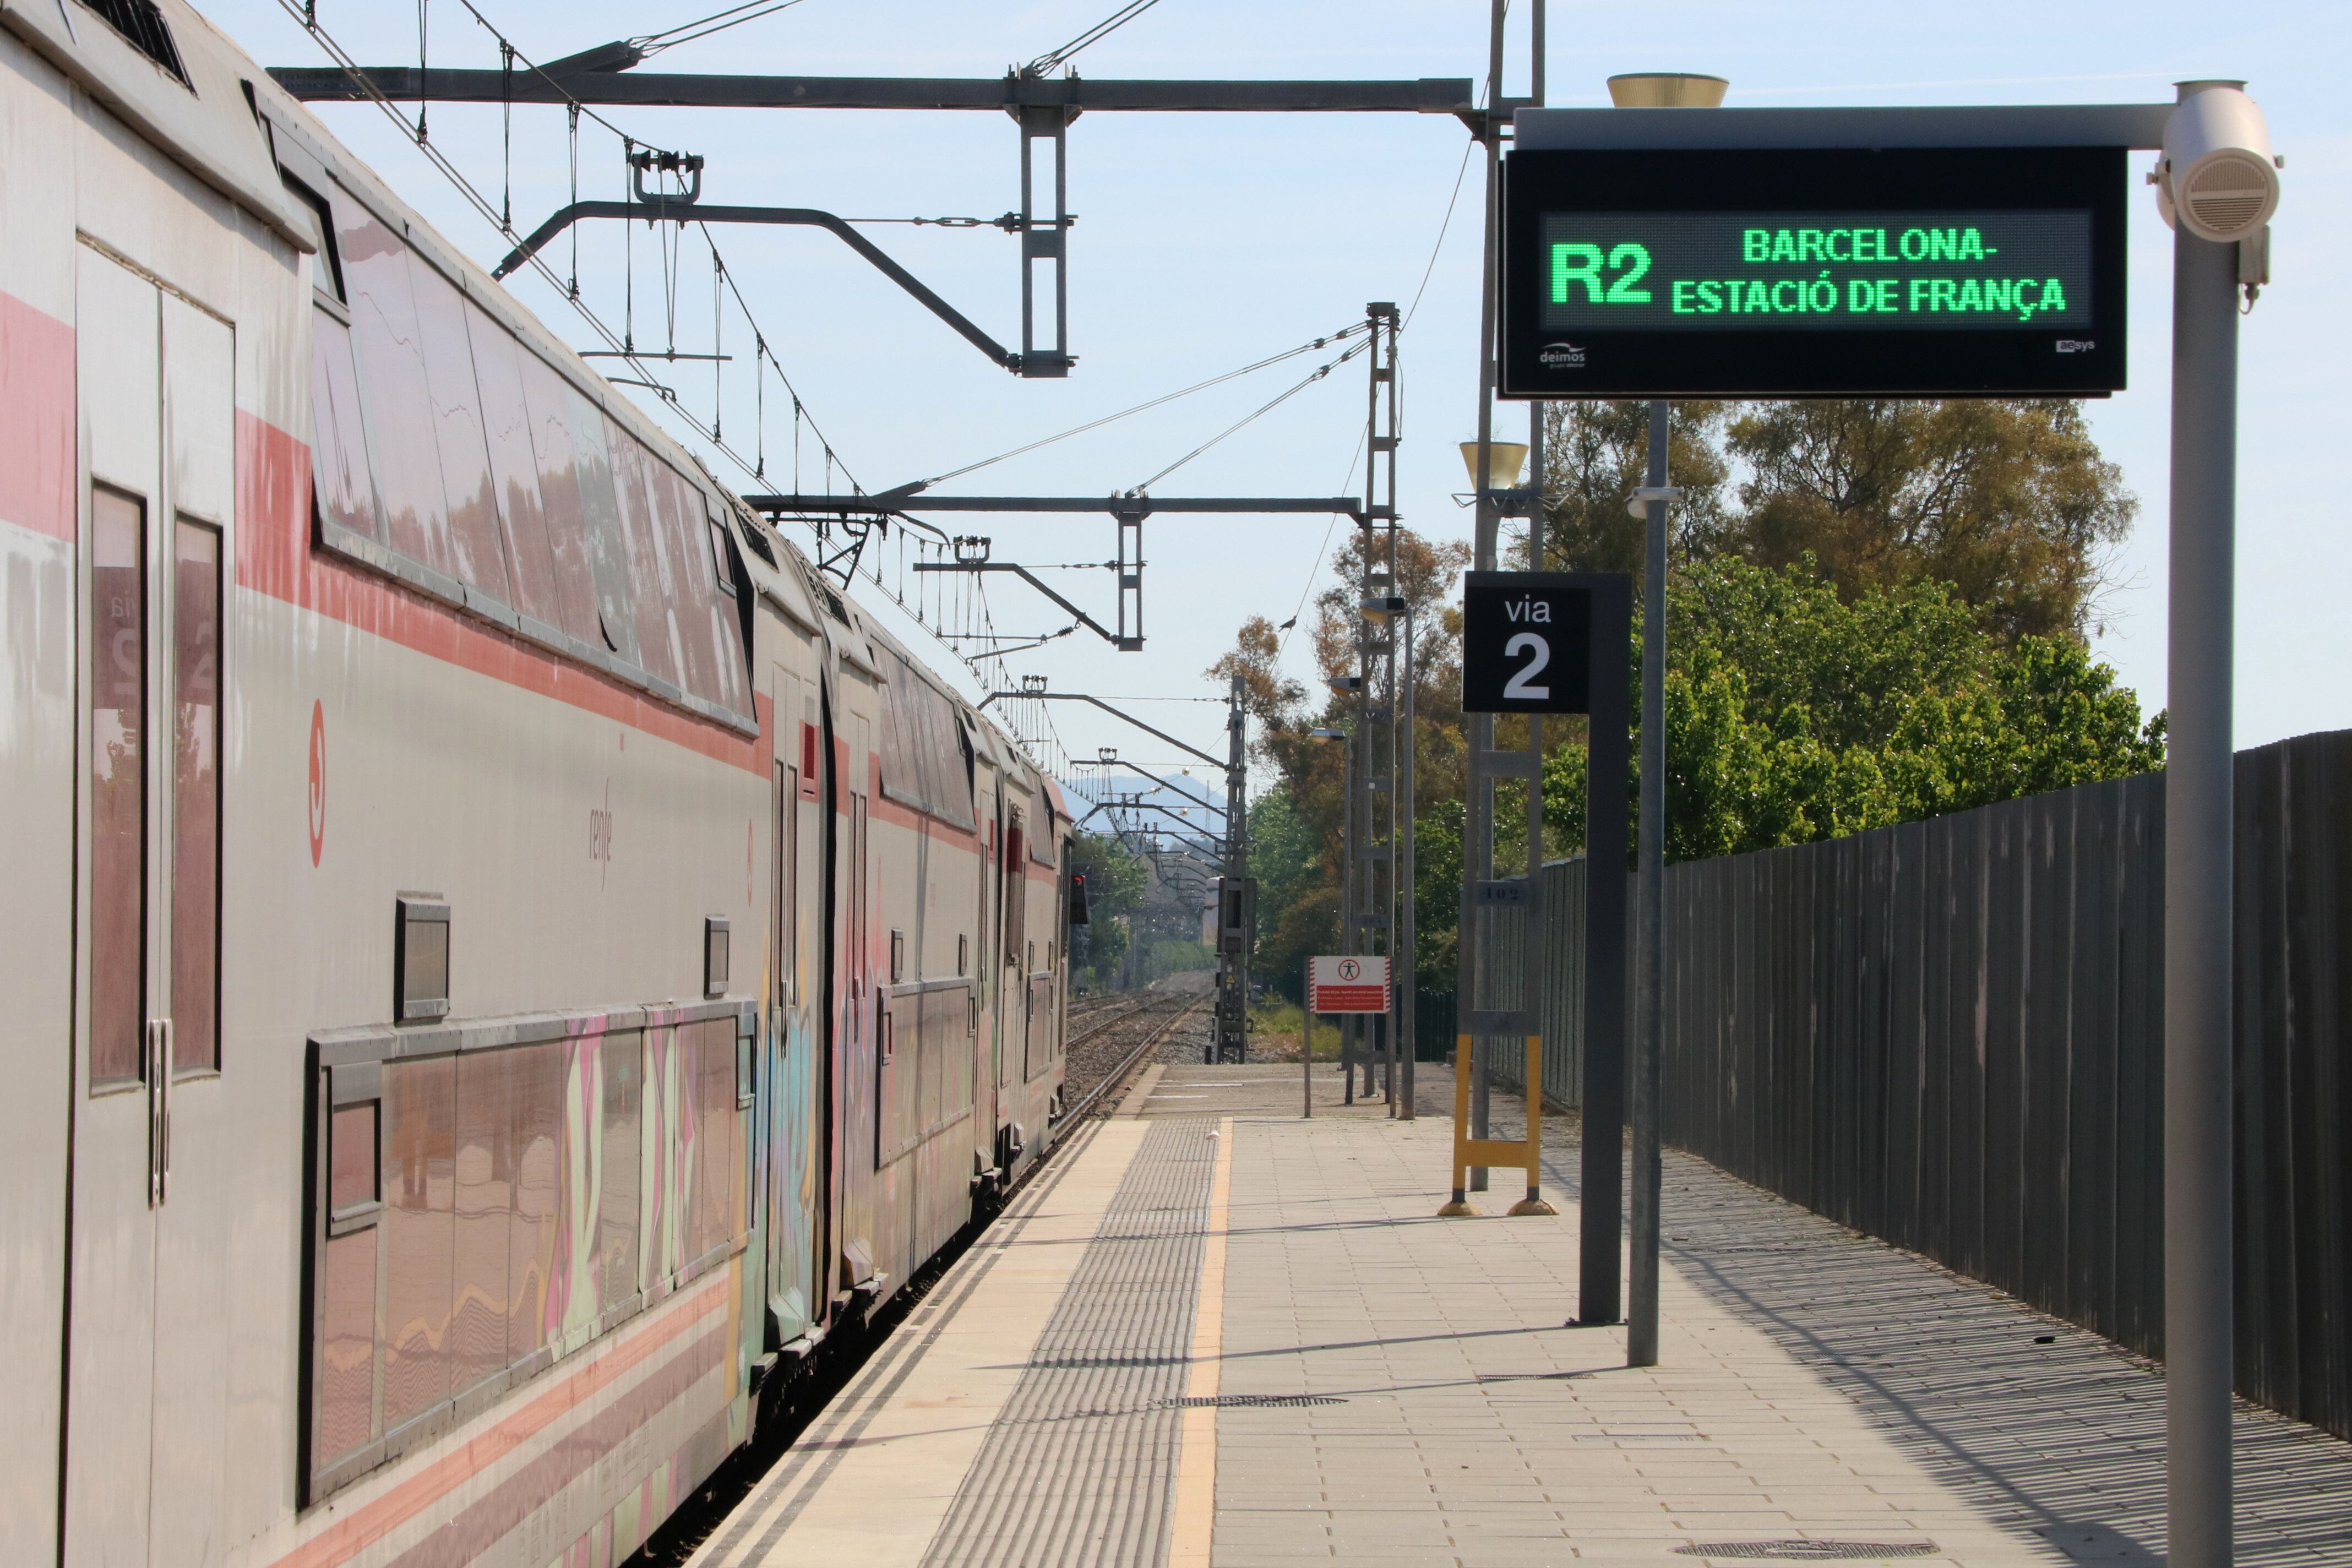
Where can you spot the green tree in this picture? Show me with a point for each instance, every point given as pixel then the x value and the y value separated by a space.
pixel 1597 453
pixel 1793 715
pixel 2009 501
pixel 1116 884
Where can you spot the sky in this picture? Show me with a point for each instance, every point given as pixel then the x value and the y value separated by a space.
pixel 1208 242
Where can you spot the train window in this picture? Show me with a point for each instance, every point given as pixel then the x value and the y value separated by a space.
pixel 195 796
pixel 491 482
pixel 720 572
pixel 624 1068
pixel 388 346
pixel 714 956
pixel 548 403
pixel 327 271
pixel 710 629
pixel 342 482
pixel 507 426
pixel 470 1219
pixel 421 959
pixel 419 1234
pixel 922 763
pixel 352 1157
pixel 142 23
pixel 476 553
pixel 651 577
pixel 118 785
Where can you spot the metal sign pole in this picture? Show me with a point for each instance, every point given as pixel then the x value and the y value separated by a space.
pixel 1307 1034
pixel 1407 944
pixel 2198 822
pixel 1641 1307
pixel 1532 978
pixel 1479 828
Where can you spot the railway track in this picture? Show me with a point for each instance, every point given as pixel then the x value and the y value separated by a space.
pixel 1077 1109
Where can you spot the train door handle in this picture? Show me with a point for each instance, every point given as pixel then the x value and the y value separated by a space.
pixel 159 1112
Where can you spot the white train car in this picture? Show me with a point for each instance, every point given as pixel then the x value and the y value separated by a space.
pixel 500 954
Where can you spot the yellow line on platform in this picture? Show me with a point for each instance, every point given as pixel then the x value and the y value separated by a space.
pixel 1196 1458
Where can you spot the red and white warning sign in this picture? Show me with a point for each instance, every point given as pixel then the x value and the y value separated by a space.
pixel 1348 984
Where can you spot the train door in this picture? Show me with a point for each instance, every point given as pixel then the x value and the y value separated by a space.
pixel 146 1386
pixel 1019 995
pixel 983 893
pixel 861 1044
pixel 795 1048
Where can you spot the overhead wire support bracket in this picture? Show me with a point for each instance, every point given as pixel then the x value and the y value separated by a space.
pixel 674 209
pixel 1042 106
pixel 1128 510
pixel 1029 696
pixel 674 89
pixel 1124 645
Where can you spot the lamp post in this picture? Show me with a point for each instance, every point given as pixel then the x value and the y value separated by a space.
pixel 1504 461
pixel 1347 850
pixel 1403 950
pixel 1653 90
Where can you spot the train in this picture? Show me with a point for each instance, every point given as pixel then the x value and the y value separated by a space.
pixel 505 962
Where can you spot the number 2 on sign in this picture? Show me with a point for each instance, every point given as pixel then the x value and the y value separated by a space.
pixel 1520 685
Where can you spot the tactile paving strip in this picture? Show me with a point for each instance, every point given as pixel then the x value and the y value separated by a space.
pixel 1080 1468
pixel 1810 1550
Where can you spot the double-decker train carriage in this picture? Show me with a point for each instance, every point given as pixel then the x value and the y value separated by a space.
pixel 499 954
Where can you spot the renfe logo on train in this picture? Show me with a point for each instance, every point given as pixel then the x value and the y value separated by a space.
pixel 1789 272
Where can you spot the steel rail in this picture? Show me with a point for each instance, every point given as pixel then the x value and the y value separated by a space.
pixel 1076 1111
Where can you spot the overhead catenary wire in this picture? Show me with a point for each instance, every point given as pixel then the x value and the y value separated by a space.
pixel 574 108
pixel 1257 413
pixel 1444 227
pixel 1306 348
pixel 717 22
pixel 1037 731
pixel 1093 35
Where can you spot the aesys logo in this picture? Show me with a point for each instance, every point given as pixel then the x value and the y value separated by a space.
pixel 1560 356
pixel 2075 345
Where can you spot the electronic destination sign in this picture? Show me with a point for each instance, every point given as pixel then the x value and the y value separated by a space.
pixel 1797 272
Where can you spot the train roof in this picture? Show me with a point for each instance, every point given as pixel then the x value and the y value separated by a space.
pixel 192 92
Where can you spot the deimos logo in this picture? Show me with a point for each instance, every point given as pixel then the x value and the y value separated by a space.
pixel 1562 356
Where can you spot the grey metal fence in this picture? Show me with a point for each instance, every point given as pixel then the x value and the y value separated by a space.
pixel 1950 1033
pixel 1559 969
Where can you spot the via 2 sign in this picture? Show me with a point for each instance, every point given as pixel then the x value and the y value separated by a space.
pixel 1527 643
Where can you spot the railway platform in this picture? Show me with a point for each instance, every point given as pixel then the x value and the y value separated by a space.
pixel 1213 1333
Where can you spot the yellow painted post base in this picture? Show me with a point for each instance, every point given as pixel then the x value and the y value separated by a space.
pixel 1478 1153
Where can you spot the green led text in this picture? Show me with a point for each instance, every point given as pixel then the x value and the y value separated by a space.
pixel 1861 244
pixel 1583 264
pixel 2024 297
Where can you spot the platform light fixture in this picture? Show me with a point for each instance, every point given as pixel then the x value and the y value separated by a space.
pixel 1666 90
pixel 1504 461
